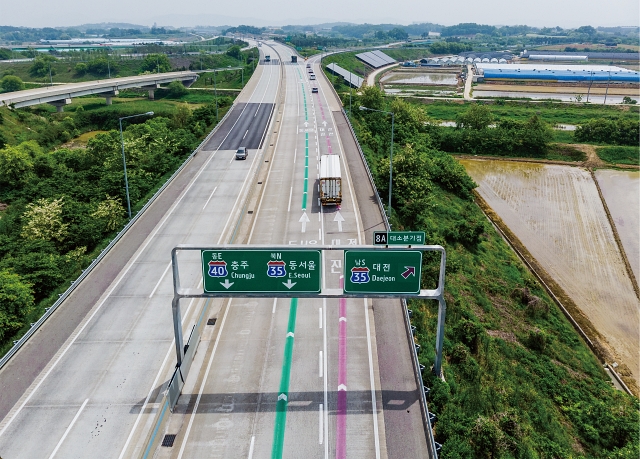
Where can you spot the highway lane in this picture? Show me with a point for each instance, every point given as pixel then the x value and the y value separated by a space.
pixel 89 398
pixel 230 408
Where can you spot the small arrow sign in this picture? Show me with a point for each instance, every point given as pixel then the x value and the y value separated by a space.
pixel 339 218
pixel 342 319
pixel 289 284
pixel 304 220
pixel 410 271
pixel 342 387
pixel 226 284
pixel 290 335
pixel 283 397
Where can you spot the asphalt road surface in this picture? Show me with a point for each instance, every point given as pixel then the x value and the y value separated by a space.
pixel 344 368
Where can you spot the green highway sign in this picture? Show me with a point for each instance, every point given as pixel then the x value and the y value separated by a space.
pixel 399 237
pixel 382 271
pixel 261 271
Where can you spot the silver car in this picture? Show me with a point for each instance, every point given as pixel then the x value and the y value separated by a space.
pixel 242 153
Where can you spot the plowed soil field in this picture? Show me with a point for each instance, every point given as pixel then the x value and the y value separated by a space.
pixel 557 214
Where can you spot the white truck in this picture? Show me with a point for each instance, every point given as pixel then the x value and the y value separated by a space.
pixel 330 187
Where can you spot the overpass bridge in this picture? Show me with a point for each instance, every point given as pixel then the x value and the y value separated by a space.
pixel 61 95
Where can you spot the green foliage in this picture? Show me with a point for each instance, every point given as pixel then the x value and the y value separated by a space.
pixel 156 63
pixel 42 66
pixel 176 89
pixel 234 51
pixel 629 101
pixel 81 68
pixel 612 131
pixel 10 83
pixel 100 66
pixel 443 47
pixel 476 117
pixel 16 163
pixel 16 300
pixel 620 155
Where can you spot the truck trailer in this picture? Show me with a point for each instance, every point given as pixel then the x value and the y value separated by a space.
pixel 330 187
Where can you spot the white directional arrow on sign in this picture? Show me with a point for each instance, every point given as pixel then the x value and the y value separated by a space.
pixel 339 218
pixel 304 220
pixel 342 387
pixel 289 284
pixel 226 284
pixel 283 397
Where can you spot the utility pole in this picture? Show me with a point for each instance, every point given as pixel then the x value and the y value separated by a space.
pixel 215 91
pixel 607 91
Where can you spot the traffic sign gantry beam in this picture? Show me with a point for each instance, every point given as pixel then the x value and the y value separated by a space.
pixel 267 271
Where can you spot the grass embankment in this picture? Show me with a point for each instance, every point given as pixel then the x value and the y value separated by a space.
pixel 519 380
pixel 619 155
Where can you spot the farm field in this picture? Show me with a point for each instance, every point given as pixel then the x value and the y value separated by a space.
pixel 556 212
pixel 621 191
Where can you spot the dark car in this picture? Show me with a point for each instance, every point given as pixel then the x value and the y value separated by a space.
pixel 314 90
pixel 242 153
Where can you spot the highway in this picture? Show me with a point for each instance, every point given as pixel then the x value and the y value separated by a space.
pixel 88 383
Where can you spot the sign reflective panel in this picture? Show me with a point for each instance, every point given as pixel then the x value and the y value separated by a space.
pixel 382 271
pixel 261 271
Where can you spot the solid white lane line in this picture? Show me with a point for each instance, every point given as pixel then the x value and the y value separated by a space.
pixel 253 440
pixel 319 317
pixel 320 234
pixel 273 310
pixel 160 280
pixel 66 432
pixel 374 409
pixel 210 196
pixel 204 381
pixel 290 194
pixel 320 427
pixel 320 365
pixel 295 153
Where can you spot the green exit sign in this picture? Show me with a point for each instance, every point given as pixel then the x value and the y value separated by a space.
pixel 382 271
pixel 399 237
pixel 261 271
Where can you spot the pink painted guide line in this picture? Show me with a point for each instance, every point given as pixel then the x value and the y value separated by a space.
pixel 341 428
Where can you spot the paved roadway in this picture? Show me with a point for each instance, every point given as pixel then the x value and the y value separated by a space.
pixel 77 388
pixel 87 401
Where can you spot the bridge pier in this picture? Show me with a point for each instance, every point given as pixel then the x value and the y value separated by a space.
pixel 59 104
pixel 109 95
pixel 151 90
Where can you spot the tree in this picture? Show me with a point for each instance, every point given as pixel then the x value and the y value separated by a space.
pixel 176 89
pixel 235 51
pixel 81 68
pixel 109 211
pixel 15 166
pixel 16 301
pixel 156 63
pixel 43 220
pixel 476 117
pixel 11 83
pixel 42 66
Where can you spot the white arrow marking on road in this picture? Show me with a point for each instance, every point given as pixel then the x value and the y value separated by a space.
pixel 226 284
pixel 290 334
pixel 339 218
pixel 342 387
pixel 342 319
pixel 324 123
pixel 304 220
pixel 306 124
pixel 282 397
pixel 289 284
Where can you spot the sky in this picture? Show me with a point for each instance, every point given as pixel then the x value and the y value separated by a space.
pixel 563 13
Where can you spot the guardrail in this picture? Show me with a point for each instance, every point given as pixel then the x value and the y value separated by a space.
pixel 426 418
pixel 36 325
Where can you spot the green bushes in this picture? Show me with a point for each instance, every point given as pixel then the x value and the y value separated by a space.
pixel 612 131
pixel 620 155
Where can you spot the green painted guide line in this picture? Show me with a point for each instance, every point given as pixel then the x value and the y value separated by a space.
pixel 306 171
pixel 283 392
